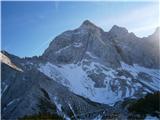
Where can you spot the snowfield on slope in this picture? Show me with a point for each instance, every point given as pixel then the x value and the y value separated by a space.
pixel 79 83
pixel 76 79
pixel 154 73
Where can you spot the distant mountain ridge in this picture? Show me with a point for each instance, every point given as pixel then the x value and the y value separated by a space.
pixel 82 74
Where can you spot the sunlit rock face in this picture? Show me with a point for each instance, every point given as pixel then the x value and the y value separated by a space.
pixel 134 50
pixel 73 46
pixel 109 47
pixel 83 70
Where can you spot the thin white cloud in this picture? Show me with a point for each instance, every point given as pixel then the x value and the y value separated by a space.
pixel 144 31
pixel 138 15
pixel 137 20
pixel 56 5
pixel 144 28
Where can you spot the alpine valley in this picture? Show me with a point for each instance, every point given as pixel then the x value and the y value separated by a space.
pixel 85 73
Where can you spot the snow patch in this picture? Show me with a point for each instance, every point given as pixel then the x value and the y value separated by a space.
pixel 58 105
pixel 90 54
pixel 5 88
pixel 77 45
pixel 154 73
pixel 148 117
pixel 99 117
pixel 75 77
pixel 81 84
pixel 72 110
pixel 60 50
pixel 11 102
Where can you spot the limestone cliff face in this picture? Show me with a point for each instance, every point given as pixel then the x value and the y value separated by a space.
pixel 109 47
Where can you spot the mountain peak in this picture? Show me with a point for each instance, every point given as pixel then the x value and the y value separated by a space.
pixel 89 26
pixel 118 30
pixel 157 31
pixel 87 22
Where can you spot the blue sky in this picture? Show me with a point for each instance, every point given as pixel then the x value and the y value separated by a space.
pixel 29 27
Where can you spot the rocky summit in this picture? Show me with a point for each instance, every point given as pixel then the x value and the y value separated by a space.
pixel 85 73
